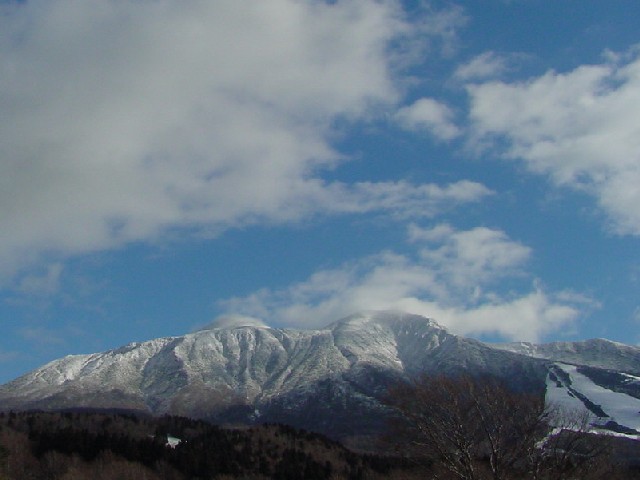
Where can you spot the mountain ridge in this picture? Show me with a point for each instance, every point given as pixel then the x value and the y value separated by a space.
pixel 598 352
pixel 332 380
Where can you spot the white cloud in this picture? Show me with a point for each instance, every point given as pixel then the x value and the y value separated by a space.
pixel 430 115
pixel 526 317
pixel 442 25
pixel 454 278
pixel 45 283
pixel 581 129
pixel 124 119
pixel 400 198
pixel 482 67
pixel 470 257
pixel 230 321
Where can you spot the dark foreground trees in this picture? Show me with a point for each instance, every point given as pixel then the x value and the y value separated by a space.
pixel 110 446
pixel 478 428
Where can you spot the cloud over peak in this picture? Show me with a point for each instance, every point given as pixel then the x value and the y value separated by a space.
pixel 451 276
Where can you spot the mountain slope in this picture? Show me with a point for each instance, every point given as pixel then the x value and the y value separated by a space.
pixel 569 387
pixel 331 380
pixel 316 379
pixel 596 352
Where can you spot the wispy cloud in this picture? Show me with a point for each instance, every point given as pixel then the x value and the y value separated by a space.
pixel 401 199
pixel 43 283
pixel 469 258
pixel 122 120
pixel 432 116
pixel 41 336
pixel 8 356
pixel 581 129
pixel 441 25
pixel 454 276
pixel 487 65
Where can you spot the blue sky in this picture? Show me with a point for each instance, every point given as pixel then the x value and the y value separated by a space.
pixel 165 165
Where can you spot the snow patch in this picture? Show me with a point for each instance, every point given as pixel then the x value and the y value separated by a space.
pixel 173 442
pixel 619 407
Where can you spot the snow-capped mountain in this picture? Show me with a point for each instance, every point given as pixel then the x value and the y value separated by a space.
pixel 596 352
pixel 613 409
pixel 598 374
pixel 330 380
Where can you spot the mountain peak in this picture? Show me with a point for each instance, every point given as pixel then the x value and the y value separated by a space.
pixel 234 321
pixel 332 379
pixel 386 318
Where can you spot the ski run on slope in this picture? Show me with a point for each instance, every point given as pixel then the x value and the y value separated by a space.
pixel 619 407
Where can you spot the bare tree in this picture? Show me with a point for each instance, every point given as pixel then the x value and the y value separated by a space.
pixel 479 428
pixel 568 451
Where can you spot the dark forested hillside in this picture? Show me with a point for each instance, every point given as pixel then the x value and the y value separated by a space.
pixel 72 445
pixel 107 445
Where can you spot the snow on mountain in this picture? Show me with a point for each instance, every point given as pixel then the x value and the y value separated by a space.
pixel 571 389
pixel 596 352
pixel 598 375
pixel 330 380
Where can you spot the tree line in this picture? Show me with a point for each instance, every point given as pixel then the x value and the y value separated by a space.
pixel 450 428
pixel 93 445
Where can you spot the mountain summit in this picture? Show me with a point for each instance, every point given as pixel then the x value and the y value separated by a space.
pixel 330 380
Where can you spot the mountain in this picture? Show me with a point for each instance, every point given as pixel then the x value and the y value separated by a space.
pixel 597 352
pixel 598 374
pixel 330 380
